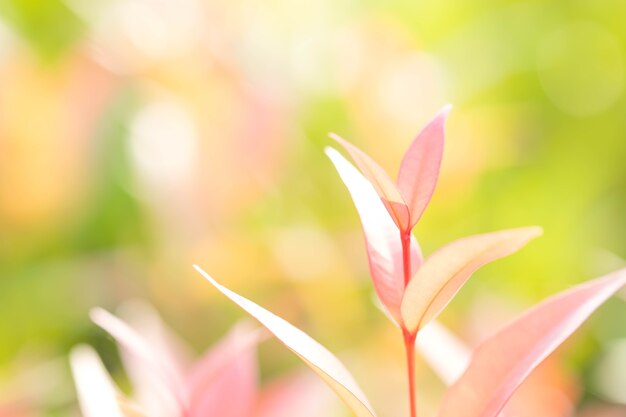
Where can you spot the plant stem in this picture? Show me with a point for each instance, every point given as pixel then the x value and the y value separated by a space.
pixel 406 255
pixel 409 343
pixel 409 338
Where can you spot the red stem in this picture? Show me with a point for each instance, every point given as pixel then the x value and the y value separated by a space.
pixel 409 343
pixel 406 256
pixel 409 338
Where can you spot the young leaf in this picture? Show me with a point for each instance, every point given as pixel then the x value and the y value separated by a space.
pixel 385 188
pixel 442 275
pixel 382 237
pixel 419 169
pixel 500 364
pixel 318 358
pixel 97 394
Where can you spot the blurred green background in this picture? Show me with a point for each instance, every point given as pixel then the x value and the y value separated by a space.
pixel 140 136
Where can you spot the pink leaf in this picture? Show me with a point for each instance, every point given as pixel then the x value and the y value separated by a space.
pixel 385 188
pixel 146 321
pixel 224 381
pixel 318 358
pixel 445 271
pixel 504 361
pixel 542 394
pixel 419 169
pixel 158 383
pixel 382 237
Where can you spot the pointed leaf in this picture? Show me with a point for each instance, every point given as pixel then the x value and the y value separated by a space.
pixel 154 394
pixel 159 386
pixel 449 357
pixel 97 394
pixel 504 361
pixel 419 169
pixel 224 381
pixel 445 271
pixel 385 188
pixel 382 237
pixel 318 358
pixel 146 321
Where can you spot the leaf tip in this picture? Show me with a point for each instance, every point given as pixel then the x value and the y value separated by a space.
pixel 211 280
pixel 98 314
pixel 206 275
pixel 336 137
pixel 329 151
pixel 446 109
pixel 532 232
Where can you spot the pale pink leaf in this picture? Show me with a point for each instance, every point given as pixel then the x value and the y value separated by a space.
pixel 419 169
pixel 443 274
pixel 147 322
pixel 318 358
pixel 97 395
pixel 382 237
pixel 449 357
pixel 385 188
pixel 445 353
pixel 158 384
pixel 500 364
pixel 224 381
pixel 168 351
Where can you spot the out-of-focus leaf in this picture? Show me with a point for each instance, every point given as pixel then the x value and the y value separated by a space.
pixel 224 381
pixel 97 394
pixel 500 364
pixel 301 395
pixel 445 271
pixel 159 383
pixel 382 237
pixel 419 169
pixel 443 351
pixel 318 358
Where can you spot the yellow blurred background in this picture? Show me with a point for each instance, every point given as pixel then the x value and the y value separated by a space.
pixel 140 136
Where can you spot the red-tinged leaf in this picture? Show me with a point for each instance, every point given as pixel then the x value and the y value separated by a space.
pixel 419 169
pixel 382 237
pixel 382 183
pixel 158 384
pixel 542 394
pixel 224 381
pixel 318 358
pixel 97 395
pixel 500 364
pixel 443 274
